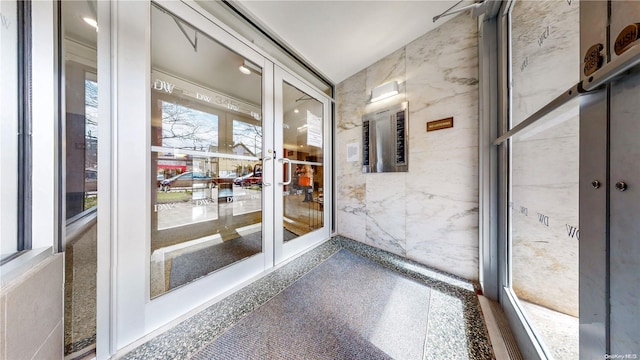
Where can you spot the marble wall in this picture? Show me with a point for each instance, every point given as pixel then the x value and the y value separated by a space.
pixel 430 213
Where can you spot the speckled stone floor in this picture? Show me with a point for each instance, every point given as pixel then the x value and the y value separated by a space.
pixel 454 326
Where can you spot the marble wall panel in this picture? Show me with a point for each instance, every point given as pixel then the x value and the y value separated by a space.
pixel 442 211
pixel 429 214
pixel 442 66
pixel 350 182
pixel 386 212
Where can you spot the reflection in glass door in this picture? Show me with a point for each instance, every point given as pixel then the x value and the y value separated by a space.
pixel 301 138
pixel 206 149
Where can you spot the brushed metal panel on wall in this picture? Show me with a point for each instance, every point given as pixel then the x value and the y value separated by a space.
pixel 625 219
pixel 593 190
pixel 593 225
pixel 623 15
pixel 385 140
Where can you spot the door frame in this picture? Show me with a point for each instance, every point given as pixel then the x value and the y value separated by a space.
pixel 133 314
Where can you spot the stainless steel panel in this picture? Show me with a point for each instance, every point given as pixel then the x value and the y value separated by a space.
pixel 625 218
pixel 623 14
pixel 488 158
pixel 593 201
pixel 593 225
pixel 385 140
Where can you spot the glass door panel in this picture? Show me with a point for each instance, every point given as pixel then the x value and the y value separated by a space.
pixel 206 144
pixel 301 119
pixel 543 179
pixel 303 194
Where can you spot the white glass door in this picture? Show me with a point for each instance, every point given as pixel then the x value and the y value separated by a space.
pixel 302 170
pixel 206 192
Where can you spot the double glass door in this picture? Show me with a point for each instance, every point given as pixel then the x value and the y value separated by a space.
pixel 219 168
pixel 237 171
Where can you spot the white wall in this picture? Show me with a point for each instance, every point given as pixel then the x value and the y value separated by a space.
pixel 429 214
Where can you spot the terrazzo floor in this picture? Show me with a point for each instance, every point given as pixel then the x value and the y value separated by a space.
pixel 441 314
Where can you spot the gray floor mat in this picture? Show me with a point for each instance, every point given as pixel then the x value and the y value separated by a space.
pixel 347 308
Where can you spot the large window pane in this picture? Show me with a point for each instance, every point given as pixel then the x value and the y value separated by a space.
pixel 545 56
pixel 206 126
pixel 543 200
pixel 78 49
pixel 9 128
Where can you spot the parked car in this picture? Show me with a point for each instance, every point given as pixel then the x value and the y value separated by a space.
pixel 187 180
pixel 90 180
pixel 253 178
pixel 239 180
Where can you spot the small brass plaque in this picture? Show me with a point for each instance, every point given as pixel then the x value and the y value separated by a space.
pixel 440 124
pixel 626 38
pixel 593 59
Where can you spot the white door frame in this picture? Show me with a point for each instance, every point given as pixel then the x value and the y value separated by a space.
pixel 133 314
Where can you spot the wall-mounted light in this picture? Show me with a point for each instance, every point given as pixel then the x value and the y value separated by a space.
pixel 248 67
pixel 244 70
pixel 92 22
pixel 384 91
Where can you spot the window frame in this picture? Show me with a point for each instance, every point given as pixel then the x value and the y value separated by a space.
pixel 23 118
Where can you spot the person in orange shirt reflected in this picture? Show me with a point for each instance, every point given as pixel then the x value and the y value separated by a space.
pixel 306 182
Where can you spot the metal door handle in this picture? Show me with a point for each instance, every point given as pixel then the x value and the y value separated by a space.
pixel 595 184
pixel 621 186
pixel 263 161
pixel 285 160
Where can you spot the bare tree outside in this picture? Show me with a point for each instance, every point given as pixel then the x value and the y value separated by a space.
pixel 250 135
pixel 185 128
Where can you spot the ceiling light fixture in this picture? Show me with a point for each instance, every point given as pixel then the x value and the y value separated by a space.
pixel 296 111
pixel 91 22
pixel 244 70
pixel 384 91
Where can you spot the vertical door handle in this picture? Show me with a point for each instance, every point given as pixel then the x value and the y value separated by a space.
pixel 285 160
pixel 263 161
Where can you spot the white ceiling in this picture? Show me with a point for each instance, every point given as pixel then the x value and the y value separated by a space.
pixel 340 38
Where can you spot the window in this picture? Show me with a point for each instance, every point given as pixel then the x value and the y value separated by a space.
pixel 15 100
pixel 543 232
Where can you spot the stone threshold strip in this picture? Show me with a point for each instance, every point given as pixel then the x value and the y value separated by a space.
pixel 456 327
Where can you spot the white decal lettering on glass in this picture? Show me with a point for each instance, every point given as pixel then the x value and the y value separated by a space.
pixel 203 97
pixel 544 36
pixel 5 21
pixel 162 85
